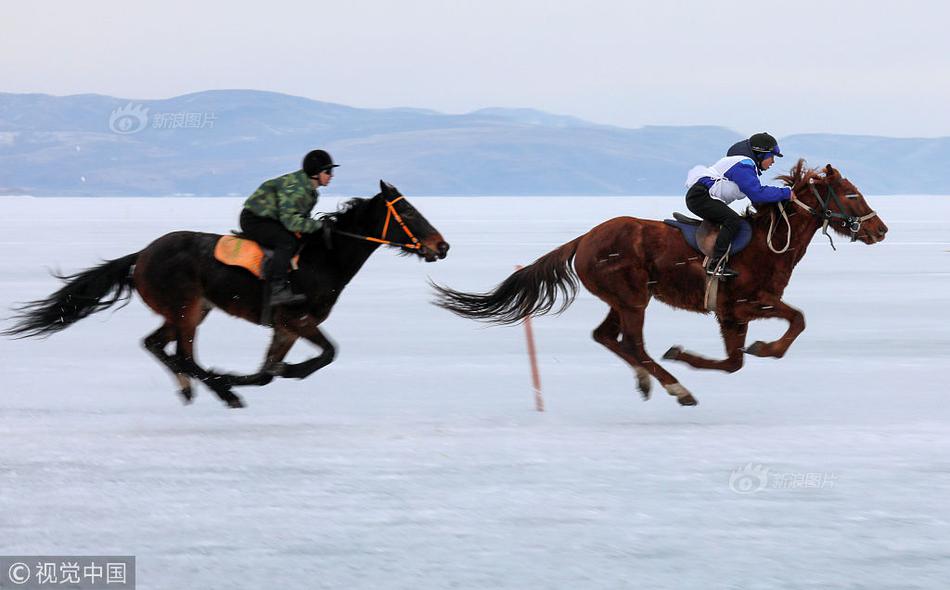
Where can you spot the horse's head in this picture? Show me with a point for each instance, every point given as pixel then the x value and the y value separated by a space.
pixel 402 225
pixel 389 219
pixel 836 202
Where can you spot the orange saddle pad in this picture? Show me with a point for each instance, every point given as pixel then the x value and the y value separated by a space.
pixel 235 251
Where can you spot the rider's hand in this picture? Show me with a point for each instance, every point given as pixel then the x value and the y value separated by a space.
pixel 793 197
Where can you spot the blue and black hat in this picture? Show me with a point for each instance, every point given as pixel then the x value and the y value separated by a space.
pixel 764 145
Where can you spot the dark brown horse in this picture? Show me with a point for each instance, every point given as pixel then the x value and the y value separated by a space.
pixel 626 261
pixel 178 276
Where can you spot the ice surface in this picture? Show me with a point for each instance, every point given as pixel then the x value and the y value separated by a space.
pixel 416 460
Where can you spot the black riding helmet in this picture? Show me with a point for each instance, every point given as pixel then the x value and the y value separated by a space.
pixel 316 162
pixel 764 145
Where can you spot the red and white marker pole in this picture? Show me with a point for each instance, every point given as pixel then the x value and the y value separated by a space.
pixel 533 358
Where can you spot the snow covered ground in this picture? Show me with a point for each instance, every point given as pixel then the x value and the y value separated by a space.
pixel 417 460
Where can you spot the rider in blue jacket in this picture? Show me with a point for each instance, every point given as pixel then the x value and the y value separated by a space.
pixel 732 178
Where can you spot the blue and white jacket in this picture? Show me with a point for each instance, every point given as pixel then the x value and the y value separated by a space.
pixel 736 177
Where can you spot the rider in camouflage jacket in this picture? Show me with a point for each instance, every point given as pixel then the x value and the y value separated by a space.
pixel 289 199
pixel 279 210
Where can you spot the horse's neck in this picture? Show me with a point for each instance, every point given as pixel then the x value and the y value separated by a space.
pixel 349 254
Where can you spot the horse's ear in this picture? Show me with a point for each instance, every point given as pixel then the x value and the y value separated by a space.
pixel 830 172
pixel 388 189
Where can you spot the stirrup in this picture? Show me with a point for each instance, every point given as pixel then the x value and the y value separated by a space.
pixel 720 270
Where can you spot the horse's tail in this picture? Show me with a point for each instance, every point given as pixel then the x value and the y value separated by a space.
pixel 529 291
pixel 83 294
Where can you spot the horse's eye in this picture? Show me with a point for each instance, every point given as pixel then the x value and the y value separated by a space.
pixel 852 196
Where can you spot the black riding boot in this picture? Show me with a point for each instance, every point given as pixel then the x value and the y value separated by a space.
pixel 282 294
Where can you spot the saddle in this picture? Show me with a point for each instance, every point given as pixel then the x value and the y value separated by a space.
pixel 702 235
pixel 248 254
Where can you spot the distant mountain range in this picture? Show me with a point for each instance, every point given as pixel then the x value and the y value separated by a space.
pixel 226 142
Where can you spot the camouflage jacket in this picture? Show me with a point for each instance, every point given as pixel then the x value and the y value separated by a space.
pixel 289 199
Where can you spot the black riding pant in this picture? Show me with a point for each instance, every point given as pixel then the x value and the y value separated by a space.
pixel 271 233
pixel 713 210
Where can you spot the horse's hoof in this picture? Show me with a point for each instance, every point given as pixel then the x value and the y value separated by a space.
pixel 682 395
pixel 755 349
pixel 643 384
pixel 673 353
pixel 235 403
pixel 186 395
pixel 687 400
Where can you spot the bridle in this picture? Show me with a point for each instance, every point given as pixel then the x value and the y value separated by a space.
pixel 390 214
pixel 852 222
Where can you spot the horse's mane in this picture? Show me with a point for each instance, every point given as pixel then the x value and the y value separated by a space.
pixel 796 177
pixel 349 209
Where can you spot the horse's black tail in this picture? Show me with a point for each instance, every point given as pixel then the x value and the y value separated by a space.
pixel 83 294
pixel 532 290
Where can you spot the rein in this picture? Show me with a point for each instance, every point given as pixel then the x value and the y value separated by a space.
pixel 390 214
pixel 788 236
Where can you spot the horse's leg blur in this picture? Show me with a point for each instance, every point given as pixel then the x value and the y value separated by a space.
pixel 607 334
pixel 280 345
pixel 155 343
pixel 776 308
pixel 307 326
pixel 187 327
pixel 631 323
pixel 733 336
pixel 626 290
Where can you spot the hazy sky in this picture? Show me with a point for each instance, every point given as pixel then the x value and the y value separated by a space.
pixel 789 67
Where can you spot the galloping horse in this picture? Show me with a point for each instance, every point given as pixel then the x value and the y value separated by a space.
pixel 625 261
pixel 178 276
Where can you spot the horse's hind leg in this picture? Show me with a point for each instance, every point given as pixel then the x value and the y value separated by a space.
pixel 733 336
pixel 631 324
pixel 187 327
pixel 607 334
pixel 156 343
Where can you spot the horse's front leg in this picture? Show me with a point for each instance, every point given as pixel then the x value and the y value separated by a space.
pixel 280 345
pixel 307 326
pixel 733 336
pixel 776 308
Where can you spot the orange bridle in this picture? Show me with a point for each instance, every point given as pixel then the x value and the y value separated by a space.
pixel 391 213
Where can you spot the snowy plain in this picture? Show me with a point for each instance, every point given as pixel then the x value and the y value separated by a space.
pixel 416 460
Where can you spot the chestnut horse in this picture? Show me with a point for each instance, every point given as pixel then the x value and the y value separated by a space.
pixel 178 276
pixel 625 261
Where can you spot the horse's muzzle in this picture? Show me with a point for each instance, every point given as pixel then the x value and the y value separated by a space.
pixel 442 248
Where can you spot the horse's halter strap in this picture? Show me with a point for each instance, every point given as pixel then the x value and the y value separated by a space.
pixel 391 213
pixel 853 223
